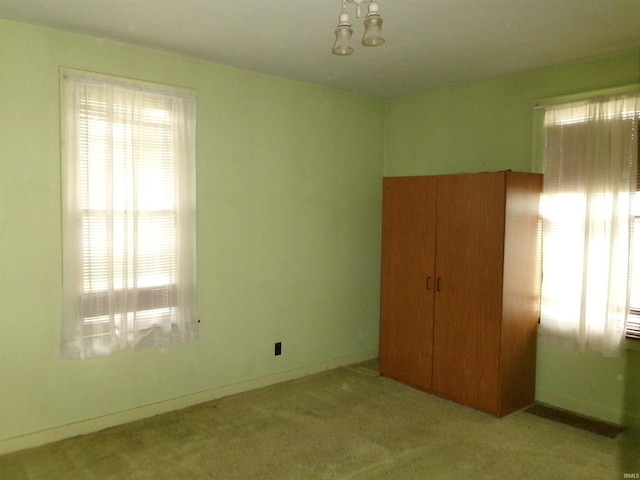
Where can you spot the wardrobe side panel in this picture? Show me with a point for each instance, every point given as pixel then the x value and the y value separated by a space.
pixel 521 292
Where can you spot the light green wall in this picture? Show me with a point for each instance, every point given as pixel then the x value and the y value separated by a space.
pixel 485 125
pixel 488 126
pixel 288 233
pixel 288 226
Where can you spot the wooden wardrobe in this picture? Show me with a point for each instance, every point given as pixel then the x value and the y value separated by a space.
pixel 460 284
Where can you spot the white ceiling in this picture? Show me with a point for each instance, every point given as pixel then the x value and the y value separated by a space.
pixel 430 44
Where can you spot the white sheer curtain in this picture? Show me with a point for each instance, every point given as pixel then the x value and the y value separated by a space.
pixel 129 266
pixel 590 157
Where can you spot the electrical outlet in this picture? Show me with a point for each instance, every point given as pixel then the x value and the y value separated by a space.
pixel 278 348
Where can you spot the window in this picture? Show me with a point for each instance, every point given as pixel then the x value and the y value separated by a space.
pixel 590 156
pixel 633 321
pixel 129 278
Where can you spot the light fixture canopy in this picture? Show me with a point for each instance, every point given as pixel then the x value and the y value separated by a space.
pixel 373 27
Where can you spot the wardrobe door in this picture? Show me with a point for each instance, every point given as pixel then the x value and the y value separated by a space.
pixel 408 281
pixel 469 261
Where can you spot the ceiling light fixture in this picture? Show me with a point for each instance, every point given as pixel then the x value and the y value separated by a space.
pixel 372 27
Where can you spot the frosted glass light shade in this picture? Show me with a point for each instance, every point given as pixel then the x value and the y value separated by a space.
pixel 372 31
pixel 343 40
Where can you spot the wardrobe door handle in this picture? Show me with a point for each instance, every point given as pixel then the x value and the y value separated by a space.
pixel 439 284
pixel 429 282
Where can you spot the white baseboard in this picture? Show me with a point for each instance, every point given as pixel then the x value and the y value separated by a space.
pixel 35 439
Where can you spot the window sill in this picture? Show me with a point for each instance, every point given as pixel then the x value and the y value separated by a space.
pixel 631 345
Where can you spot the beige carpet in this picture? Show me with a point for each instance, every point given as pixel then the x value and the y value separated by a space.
pixel 342 424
